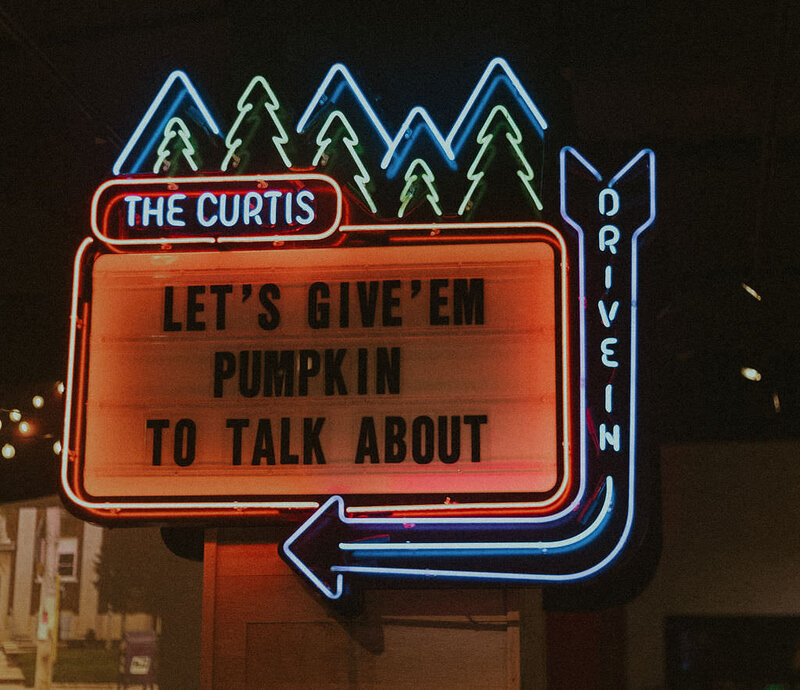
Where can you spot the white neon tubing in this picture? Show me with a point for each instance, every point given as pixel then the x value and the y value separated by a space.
pixel 339 68
pixel 271 105
pixel 400 547
pixel 523 94
pixel 171 79
pixel 414 113
pixel 441 548
pixel 362 178
pixel 244 505
pixel 445 143
pixel 199 239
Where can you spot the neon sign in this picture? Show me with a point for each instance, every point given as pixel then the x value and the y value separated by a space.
pixel 249 107
pixel 340 134
pixel 180 88
pixel 531 550
pixel 219 209
pixel 486 137
pixel 441 399
pixel 350 140
pixel 363 376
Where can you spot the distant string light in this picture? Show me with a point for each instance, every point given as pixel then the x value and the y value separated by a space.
pixel 751 374
pixel 33 428
pixel 751 291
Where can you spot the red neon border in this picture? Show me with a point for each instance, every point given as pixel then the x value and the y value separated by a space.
pixel 209 510
pixel 210 239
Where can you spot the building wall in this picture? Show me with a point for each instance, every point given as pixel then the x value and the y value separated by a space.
pixel 263 628
pixel 23 572
pixel 87 602
pixel 731 515
pixel 19 590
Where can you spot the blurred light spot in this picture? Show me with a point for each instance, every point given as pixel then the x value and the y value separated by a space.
pixel 38 401
pixel 776 403
pixel 751 374
pixel 60 386
pixel 8 451
pixel 57 447
pixel 24 427
pixel 750 291
pixel 15 415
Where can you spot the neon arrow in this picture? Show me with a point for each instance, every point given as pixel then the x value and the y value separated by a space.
pixel 517 549
pixel 330 545
pixel 609 279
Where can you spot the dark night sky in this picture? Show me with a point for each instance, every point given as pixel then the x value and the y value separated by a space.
pixel 711 87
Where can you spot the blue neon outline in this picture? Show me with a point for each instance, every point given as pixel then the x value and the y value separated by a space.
pixel 447 145
pixel 515 82
pixel 158 132
pixel 331 594
pixel 405 131
pixel 339 68
pixel 145 121
pixel 581 287
pixel 442 547
pixel 444 143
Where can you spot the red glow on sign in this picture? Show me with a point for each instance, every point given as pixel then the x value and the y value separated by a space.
pixel 218 209
pixel 427 385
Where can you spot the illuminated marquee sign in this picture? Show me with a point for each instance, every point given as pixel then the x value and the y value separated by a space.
pixel 344 343
pixel 310 377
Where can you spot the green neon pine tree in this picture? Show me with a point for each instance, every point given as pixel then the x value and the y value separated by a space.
pixel 176 150
pixel 499 119
pixel 259 111
pixel 337 128
pixel 419 181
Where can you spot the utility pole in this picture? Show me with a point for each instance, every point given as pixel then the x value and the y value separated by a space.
pixel 47 623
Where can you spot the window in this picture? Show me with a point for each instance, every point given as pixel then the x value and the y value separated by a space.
pixel 68 559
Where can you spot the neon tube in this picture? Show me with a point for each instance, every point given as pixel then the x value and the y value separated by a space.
pixel 177 75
